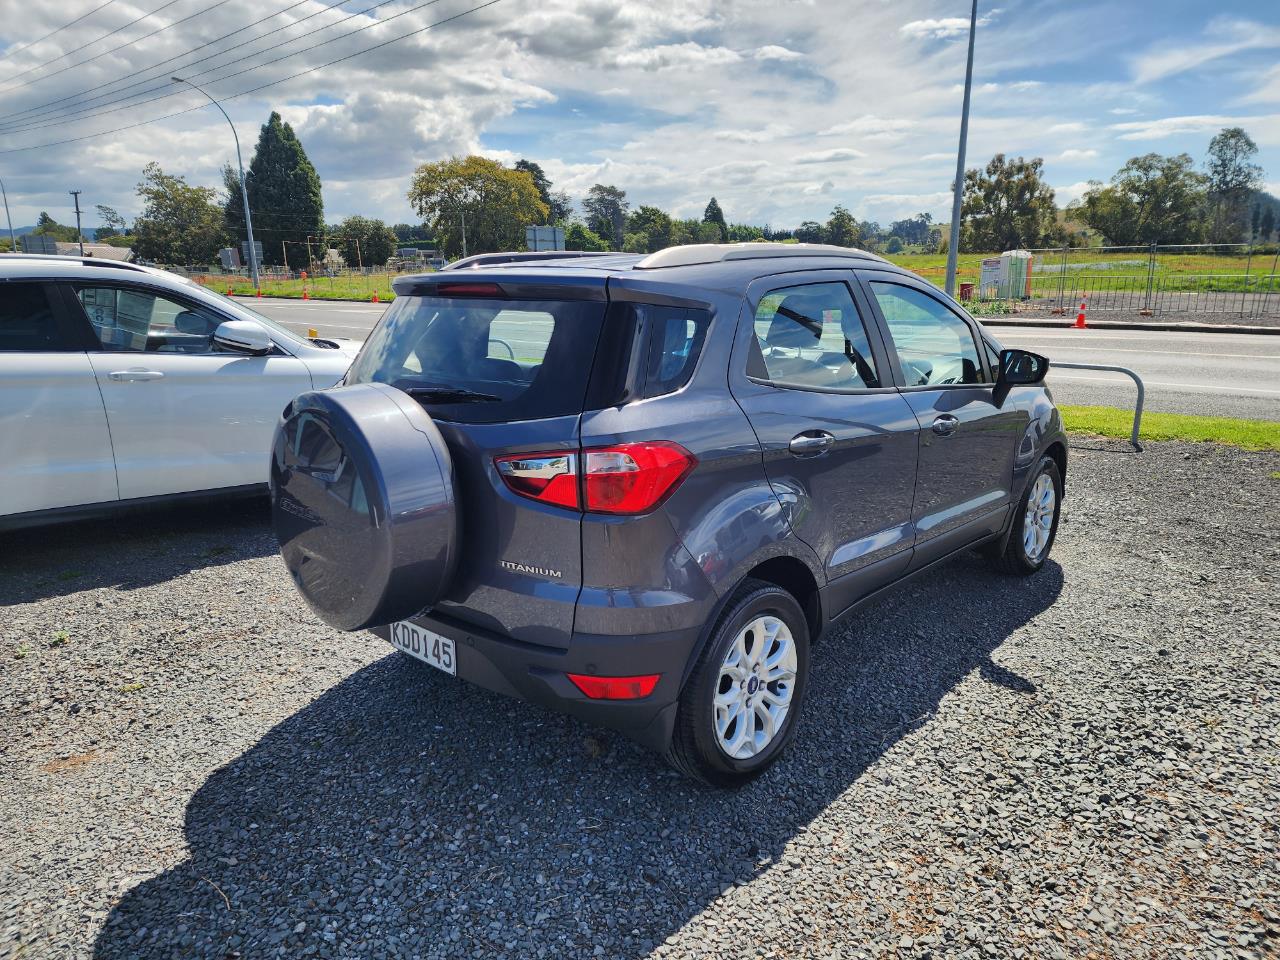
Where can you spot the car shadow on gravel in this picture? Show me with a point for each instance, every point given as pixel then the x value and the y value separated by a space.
pixel 136 549
pixel 403 813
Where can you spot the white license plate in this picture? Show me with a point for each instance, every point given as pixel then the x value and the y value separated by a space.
pixel 425 645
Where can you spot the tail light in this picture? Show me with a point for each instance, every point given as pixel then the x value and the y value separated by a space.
pixel 626 479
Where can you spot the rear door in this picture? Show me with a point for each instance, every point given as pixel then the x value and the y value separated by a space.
pixel 966 442
pixel 503 375
pixel 183 416
pixel 839 441
pixel 55 449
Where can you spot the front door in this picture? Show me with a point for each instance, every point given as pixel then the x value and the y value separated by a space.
pixel 839 442
pixel 183 417
pixel 55 450
pixel 966 442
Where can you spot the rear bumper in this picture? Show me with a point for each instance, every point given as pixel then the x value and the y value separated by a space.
pixel 538 674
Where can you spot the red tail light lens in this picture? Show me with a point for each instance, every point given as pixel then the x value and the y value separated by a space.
pixel 469 290
pixel 615 688
pixel 629 478
pixel 545 477
pixel 633 477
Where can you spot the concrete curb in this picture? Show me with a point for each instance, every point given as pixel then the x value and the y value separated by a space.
pixel 1128 325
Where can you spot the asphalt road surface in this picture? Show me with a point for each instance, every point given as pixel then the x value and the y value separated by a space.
pixel 1214 374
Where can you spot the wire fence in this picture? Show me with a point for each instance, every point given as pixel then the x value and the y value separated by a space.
pixel 1237 280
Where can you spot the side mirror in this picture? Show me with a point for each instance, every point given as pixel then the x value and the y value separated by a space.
pixel 1020 368
pixel 243 336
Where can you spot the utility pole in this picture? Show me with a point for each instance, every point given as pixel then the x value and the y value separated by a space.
pixel 244 189
pixel 79 235
pixel 13 243
pixel 958 189
pixel 463 217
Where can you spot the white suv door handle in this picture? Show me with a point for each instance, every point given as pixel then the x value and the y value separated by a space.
pixel 137 373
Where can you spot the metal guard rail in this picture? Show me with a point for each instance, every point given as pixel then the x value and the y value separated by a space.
pixel 1137 411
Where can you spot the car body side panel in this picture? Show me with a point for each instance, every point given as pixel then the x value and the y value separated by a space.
pixel 55 447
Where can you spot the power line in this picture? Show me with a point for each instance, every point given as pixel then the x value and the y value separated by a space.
pixel 40 66
pixel 41 109
pixel 9 53
pixel 245 93
pixel 22 126
pixel 120 46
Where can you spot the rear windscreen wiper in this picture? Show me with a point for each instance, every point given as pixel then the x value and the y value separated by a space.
pixel 450 395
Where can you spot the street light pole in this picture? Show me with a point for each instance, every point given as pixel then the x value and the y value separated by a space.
pixel 79 234
pixel 13 243
pixel 244 189
pixel 958 189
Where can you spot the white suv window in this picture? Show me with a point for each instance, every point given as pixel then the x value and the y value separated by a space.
pixel 26 318
pixel 140 320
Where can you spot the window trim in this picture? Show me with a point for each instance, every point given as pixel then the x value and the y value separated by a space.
pixel 762 287
pixel 868 277
pixel 72 287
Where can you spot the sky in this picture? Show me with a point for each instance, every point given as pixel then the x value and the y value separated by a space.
pixel 779 108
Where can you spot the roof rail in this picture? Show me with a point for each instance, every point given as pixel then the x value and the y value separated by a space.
pixel 82 261
pixel 696 253
pixel 520 256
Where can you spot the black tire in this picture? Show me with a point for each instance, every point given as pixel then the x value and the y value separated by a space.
pixel 1013 559
pixel 695 750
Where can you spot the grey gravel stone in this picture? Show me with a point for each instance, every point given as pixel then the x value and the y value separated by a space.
pixel 1081 763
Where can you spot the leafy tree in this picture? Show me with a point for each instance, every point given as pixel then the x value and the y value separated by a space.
pixel 411 233
pixel 113 225
pixel 46 226
pixel 713 214
pixel 894 245
pixel 635 243
pixel 810 232
pixel 577 236
pixel 652 224
pixel 913 230
pixel 180 224
pixel 606 212
pixel 559 205
pixel 377 244
pixel 1007 205
pixel 842 228
pixel 1268 224
pixel 494 202
pixel 1151 199
pixel 1233 176
pixel 284 192
pixel 745 233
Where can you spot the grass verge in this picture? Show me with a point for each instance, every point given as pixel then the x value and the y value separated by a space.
pixel 1114 422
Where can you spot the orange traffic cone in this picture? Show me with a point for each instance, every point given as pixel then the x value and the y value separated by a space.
pixel 374 298
pixel 305 295
pixel 259 293
pixel 1084 303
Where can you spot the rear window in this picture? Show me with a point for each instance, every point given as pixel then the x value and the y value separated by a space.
pixel 485 361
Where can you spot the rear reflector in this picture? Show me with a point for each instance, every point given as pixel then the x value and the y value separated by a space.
pixel 626 479
pixel 615 688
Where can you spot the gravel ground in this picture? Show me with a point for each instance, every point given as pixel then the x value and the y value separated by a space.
pixel 1084 763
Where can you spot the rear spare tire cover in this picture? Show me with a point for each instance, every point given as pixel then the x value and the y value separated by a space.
pixel 362 496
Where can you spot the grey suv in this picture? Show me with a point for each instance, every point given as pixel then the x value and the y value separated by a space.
pixel 638 489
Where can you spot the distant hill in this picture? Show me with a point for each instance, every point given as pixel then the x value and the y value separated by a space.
pixel 90 233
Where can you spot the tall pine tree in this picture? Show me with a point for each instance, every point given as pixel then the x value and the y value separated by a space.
pixel 284 196
pixel 714 214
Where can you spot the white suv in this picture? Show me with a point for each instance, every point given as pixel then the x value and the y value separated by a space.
pixel 120 384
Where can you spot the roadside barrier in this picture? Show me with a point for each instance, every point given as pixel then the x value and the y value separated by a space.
pixel 1137 410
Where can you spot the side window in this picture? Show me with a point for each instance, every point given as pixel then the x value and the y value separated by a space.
pixel 26 318
pixel 812 336
pixel 934 345
pixel 675 336
pixel 142 321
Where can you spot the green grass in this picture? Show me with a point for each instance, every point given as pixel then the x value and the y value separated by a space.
pixel 1114 422
pixel 318 288
pixel 59 638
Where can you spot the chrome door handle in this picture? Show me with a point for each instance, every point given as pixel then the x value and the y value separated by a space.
pixel 124 376
pixel 813 443
pixel 945 425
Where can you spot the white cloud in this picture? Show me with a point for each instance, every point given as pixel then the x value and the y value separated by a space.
pixel 1076 156
pixel 1070 193
pixel 1122 111
pixel 1073 126
pixel 1268 89
pixel 774 52
pixel 830 156
pixel 1229 37
pixel 677 55
pixel 869 126
pixel 941 28
pixel 1172 126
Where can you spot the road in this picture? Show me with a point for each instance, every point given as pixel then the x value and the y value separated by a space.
pixel 1213 374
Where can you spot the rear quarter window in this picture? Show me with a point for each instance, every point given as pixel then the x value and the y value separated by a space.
pixel 646 350
pixel 482 360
